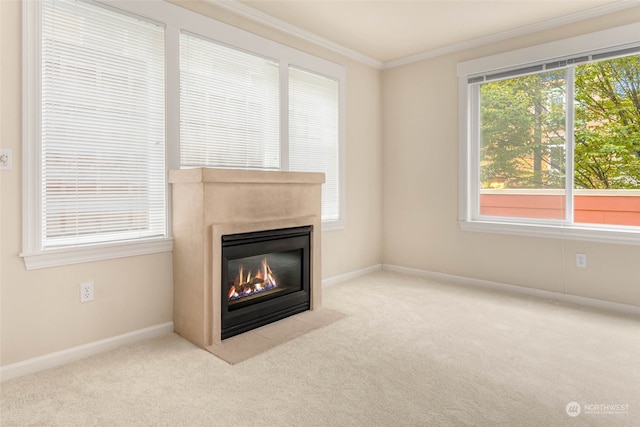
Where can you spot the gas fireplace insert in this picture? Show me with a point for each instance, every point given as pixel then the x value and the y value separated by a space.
pixel 265 277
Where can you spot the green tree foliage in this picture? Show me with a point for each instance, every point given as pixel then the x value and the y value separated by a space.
pixel 607 132
pixel 522 128
pixel 521 120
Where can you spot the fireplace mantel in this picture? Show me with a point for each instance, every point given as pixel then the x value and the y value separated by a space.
pixel 230 176
pixel 209 203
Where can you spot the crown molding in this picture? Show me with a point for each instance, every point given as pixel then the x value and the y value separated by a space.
pixel 517 32
pixel 238 8
pixel 268 20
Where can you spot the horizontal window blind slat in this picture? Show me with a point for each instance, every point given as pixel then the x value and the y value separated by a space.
pixel 314 132
pixel 229 107
pixel 554 64
pixel 617 52
pixel 102 125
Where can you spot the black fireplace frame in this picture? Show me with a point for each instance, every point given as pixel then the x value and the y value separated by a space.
pixel 245 317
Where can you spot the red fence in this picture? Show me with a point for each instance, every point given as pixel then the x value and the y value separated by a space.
pixel 619 207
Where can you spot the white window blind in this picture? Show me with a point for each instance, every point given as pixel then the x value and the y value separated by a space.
pixel 103 142
pixel 314 132
pixel 229 107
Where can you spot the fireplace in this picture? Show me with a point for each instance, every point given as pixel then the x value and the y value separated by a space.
pixel 215 218
pixel 265 276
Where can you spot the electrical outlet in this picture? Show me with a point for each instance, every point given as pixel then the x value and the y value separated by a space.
pixel 86 291
pixel 6 158
pixel 581 260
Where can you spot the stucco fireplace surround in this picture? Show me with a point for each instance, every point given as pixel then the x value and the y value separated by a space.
pixel 208 206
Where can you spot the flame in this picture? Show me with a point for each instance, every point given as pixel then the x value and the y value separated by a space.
pixel 253 282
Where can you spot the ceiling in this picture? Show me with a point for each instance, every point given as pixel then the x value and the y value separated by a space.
pixel 387 31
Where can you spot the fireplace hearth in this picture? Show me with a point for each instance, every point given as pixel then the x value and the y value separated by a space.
pixel 265 277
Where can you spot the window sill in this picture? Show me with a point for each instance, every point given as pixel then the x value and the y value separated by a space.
pixel 34 260
pixel 334 225
pixel 613 235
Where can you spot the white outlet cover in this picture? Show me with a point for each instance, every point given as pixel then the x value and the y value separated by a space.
pixel 86 291
pixel 581 260
pixel 6 158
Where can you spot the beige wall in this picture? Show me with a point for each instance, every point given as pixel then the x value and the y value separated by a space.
pixel 420 190
pixel 413 109
pixel 40 312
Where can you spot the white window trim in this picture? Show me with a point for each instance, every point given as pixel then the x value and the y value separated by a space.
pixel 467 160
pixel 34 256
pixel 175 19
pixel 98 252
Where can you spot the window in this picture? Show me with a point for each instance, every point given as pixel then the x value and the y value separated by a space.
pixel 522 122
pixel 314 133
pixel 100 147
pixel 234 102
pixel 552 146
pixel 230 107
pixel 116 93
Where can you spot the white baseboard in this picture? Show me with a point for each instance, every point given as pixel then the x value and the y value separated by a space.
pixel 538 293
pixel 351 275
pixel 58 358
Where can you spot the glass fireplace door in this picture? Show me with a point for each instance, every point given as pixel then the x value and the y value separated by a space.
pixel 265 277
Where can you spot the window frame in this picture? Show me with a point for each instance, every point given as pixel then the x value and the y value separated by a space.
pixel 469 218
pixel 35 256
pixel 175 19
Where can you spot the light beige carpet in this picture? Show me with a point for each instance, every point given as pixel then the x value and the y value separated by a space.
pixel 409 352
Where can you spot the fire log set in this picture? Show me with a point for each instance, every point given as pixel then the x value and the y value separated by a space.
pixel 252 283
